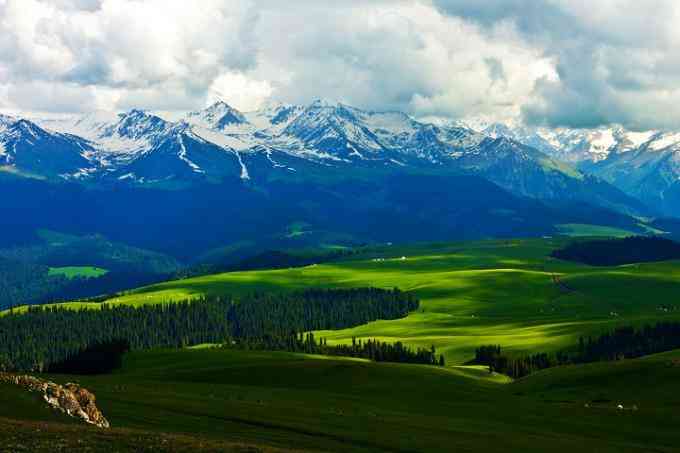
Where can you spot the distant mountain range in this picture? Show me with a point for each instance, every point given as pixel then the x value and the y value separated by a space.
pixel 320 140
pixel 229 184
pixel 644 164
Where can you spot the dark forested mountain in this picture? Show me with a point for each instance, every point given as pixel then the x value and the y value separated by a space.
pixel 184 223
pixel 30 272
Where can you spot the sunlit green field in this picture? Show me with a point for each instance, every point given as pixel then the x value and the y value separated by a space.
pixel 72 272
pixel 506 292
pixel 472 293
pixel 582 229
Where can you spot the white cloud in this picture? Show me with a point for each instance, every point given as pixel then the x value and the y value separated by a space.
pixel 400 55
pixel 239 91
pixel 156 49
pixel 556 61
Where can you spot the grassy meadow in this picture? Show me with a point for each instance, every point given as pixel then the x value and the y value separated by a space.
pixel 473 293
pixel 72 272
pixel 316 403
pixel 508 292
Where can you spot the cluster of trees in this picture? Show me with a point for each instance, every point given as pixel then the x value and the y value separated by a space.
pixel 268 259
pixel 33 340
pixel 371 349
pixel 613 252
pixel 40 337
pixel 622 343
pixel 21 282
pixel 516 367
pixel 627 343
pixel 317 309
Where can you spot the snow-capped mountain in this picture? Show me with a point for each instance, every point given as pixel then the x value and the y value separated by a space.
pixel 220 142
pixel 651 172
pixel 644 164
pixel 28 149
pixel 218 116
pixel 571 145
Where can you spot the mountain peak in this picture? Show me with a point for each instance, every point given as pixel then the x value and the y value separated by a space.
pixel 6 119
pixel 135 113
pixel 137 124
pixel 25 126
pixel 323 103
pixel 218 115
pixel 220 106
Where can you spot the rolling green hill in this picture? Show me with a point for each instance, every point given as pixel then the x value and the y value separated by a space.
pixel 333 404
pixel 508 292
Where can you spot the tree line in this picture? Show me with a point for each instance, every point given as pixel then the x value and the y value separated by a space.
pixel 371 349
pixel 613 252
pixel 622 343
pixel 42 336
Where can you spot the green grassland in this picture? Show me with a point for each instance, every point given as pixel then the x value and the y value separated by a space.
pixel 72 272
pixel 472 293
pixel 582 229
pixel 508 292
pixel 334 404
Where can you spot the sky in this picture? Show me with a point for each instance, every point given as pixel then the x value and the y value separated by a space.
pixel 574 63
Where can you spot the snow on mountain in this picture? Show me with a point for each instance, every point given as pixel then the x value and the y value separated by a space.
pixel 5 122
pixel 220 116
pixel 273 118
pixel 334 130
pixel 221 142
pixel 665 141
pixel 133 130
pixel 324 132
pixel 643 164
pixel 574 146
pixel 28 148
pixel 87 126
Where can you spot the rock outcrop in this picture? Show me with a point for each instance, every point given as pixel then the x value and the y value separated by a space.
pixel 71 399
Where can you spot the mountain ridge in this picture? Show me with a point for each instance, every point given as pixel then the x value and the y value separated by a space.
pixel 279 141
pixel 643 164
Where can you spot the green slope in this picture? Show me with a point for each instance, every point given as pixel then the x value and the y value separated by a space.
pixel 72 272
pixel 331 404
pixel 472 293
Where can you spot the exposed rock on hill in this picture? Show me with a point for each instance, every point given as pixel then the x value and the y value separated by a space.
pixel 71 399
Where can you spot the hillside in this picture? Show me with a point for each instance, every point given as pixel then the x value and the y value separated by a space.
pixel 55 266
pixel 508 292
pixel 311 402
pixel 472 293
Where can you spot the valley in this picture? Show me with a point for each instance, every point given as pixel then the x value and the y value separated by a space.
pixel 395 226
